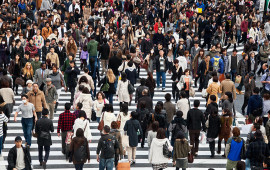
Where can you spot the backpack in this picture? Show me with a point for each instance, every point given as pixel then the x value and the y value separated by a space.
pixel 216 64
pixel 108 148
pixel 80 154
pixel 177 128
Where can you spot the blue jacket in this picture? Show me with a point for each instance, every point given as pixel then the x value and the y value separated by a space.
pixel 254 102
pixel 200 6
pixel 235 149
pixel 221 64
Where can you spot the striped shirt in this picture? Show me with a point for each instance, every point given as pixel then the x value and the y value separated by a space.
pixel 3 119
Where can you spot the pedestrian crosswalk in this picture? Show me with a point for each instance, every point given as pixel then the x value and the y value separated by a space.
pixel 57 159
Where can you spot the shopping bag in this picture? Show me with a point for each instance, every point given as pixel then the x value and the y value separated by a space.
pixel 238 79
pixel 203 138
pixel 123 165
pixel 204 93
pixel 125 141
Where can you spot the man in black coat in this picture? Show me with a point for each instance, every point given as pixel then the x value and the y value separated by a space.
pixel 158 37
pixel 61 51
pixel 73 72
pixel 13 156
pixel 140 89
pixel 147 99
pixel 45 50
pixel 147 45
pixel 114 63
pixel 195 123
pixel 104 55
pixel 43 128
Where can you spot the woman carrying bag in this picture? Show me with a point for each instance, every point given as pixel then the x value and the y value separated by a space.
pixel 79 150
pixel 185 82
pixel 180 151
pixel 83 123
pixel 109 81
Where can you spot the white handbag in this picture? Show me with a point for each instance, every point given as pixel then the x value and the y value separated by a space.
pixel 179 86
pixel 191 92
pixel 204 93
pixel 125 141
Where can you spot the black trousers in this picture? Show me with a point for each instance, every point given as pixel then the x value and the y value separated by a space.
pixel 175 91
pixel 202 82
pixel 40 153
pixel 245 102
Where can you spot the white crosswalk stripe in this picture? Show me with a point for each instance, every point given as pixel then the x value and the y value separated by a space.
pixel 57 159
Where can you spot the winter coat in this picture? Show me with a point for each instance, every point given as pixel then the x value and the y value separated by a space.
pixel 32 49
pixel 52 93
pixel 87 102
pixel 117 134
pixel 108 118
pixel 114 63
pixel 195 119
pixel 133 129
pixel 214 126
pixel 183 105
pixel 227 86
pixel 122 91
pixel 104 51
pixel 46 32
pixel 156 151
pixel 264 53
pixel 72 76
pixel 12 158
pixel 56 79
pixel 75 144
pixel 85 126
pixel 44 125
pixel 180 150
pixel 254 102
pixel 53 57
pixel 223 120
pixel 37 99
pixel 213 89
pixel 249 87
pixel 170 110
pixel 180 121
pixel 92 48
pixel 131 75
pixel 256 151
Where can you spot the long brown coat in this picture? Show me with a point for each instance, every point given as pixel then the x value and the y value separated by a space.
pixel 213 89
pixel 117 135
pixel 227 86
pixel 222 134
pixel 38 100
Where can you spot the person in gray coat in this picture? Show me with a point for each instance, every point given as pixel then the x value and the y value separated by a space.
pixel 43 128
pixel 40 76
pixel 133 129
pixel 51 95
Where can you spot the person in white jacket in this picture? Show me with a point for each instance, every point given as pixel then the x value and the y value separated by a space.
pixel 156 157
pixel 123 116
pixel 86 99
pixel 254 33
pixel 183 104
pixel 74 6
pixel 122 90
pixel 84 124
pixel 108 116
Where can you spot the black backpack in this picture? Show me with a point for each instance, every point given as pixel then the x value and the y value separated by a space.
pixel 177 128
pixel 108 148
pixel 80 154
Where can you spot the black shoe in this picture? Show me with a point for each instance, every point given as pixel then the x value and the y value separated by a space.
pixel 142 146
pixel 44 165
pixel 40 164
pixel 218 152
pixel 223 155
pixel 212 156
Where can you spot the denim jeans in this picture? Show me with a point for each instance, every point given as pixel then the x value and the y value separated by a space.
pixel 233 72
pixel 161 74
pixel 79 166
pixel 40 153
pixel 27 124
pixel 106 163
pixel 109 96
pixel 116 81
pixel 247 164
pixel 1 142
pixel 98 119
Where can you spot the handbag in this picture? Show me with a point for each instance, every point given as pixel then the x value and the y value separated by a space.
pixel 238 79
pixel 105 86
pixel 20 81
pixel 125 141
pixel 207 122
pixel 101 123
pixel 93 115
pixel 34 134
pixel 69 137
pixel 190 158
pixel 166 152
pixel 204 93
pixel 118 122
pixel 191 92
pixel 179 86
pixel 137 60
pixel 145 65
pixel 130 88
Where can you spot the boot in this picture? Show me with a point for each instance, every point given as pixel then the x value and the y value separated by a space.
pixel 55 107
pixel 219 147
pixel 212 148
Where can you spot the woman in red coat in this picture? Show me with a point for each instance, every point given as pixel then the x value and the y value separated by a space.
pixel 158 25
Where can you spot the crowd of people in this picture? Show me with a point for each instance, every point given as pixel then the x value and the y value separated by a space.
pixel 189 41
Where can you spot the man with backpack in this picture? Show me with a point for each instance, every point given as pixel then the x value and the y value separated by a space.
pixel 217 64
pixel 177 124
pixel 265 80
pixel 255 105
pixel 106 150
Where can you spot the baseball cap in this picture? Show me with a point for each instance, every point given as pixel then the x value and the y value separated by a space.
pixel 18 138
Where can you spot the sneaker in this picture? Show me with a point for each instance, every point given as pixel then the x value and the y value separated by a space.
pixel 196 154
pixel 163 89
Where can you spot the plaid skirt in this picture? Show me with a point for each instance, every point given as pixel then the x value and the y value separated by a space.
pixel 159 166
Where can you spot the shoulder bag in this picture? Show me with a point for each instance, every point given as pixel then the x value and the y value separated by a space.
pixel 190 158
pixel 130 88
pixel 166 152
pixel 105 86
pixel 118 121
pixel 101 123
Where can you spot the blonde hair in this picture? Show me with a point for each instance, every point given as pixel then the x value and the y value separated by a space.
pixel 26 71
pixel 110 76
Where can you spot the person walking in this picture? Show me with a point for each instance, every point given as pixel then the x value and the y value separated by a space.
pixel 180 151
pixel 249 83
pixel 183 104
pixel 156 157
pixel 242 70
pixel 185 82
pixel 255 105
pixel 40 75
pixel 79 150
pixel 235 149
pixel 110 79
pixel 8 95
pixel 99 104
pixel 37 98
pixel 227 85
pixel 86 99
pixel 170 109
pixel 43 128
pixel 133 129
pixel 213 89
pixel 3 121
pixel 51 96
pixel 65 124
pixel 28 114
pixel 176 125
pixel 195 123
pixel 83 123
pixel 106 149
pixel 123 117
pixel 122 90
pixel 72 71
pixel 19 157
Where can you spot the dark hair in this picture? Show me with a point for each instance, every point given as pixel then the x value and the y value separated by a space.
pixel 81 87
pixel 228 76
pixel 160 103
pixel 130 63
pixel 161 133
pixel 179 113
pixel 109 108
pixel 79 105
pixel 24 95
pixel 227 112
pixel 102 94
pixel 258 134
pixel 236 132
pixel 106 129
pixel 143 81
pixel 196 103
pixel 124 77
pixel 158 109
pixel 215 79
pixel 168 97
pixel 214 111
pixel 230 97
pixel 213 98
pixel 82 114
pixel 155 126
pixel 85 90
pixel 134 115
pixel 186 70
pixel 5 83
pixel 83 79
pixel 45 112
pixel 85 48
pixel 114 125
pixel 142 105
pixel 67 106
pixel 80 133
pixel 124 108
pixel 256 90
pixel 183 94
pixel 85 70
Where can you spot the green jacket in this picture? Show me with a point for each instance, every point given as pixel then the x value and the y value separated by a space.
pixel 35 65
pixel 64 67
pixel 180 150
pixel 92 48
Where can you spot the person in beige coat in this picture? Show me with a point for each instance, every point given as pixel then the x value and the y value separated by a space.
pixel 86 99
pixel 52 57
pixel 89 78
pixel 213 89
pixel 227 85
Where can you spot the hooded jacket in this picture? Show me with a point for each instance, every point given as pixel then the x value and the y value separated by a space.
pixel 156 151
